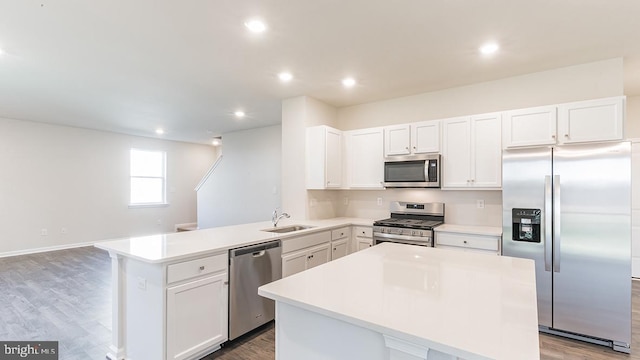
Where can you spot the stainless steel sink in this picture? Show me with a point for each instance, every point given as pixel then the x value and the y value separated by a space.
pixel 287 229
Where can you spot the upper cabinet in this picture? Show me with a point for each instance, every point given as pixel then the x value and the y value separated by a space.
pixel 529 127
pixel 594 120
pixel 578 122
pixel 472 153
pixel 416 138
pixel 324 157
pixel 364 167
pixel 397 140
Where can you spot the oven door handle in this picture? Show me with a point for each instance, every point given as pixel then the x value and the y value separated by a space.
pixel 402 237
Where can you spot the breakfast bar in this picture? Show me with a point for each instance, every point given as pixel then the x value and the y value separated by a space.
pixel 393 302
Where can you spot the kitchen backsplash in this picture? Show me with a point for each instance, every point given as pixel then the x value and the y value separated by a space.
pixel 461 207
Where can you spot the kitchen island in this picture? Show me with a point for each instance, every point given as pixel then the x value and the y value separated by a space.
pixel 393 302
pixel 170 291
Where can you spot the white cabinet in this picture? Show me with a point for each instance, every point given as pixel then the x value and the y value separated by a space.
pixel 339 249
pixel 196 316
pixel 324 157
pixel 416 138
pixel 177 310
pixel 363 237
pixel 425 137
pixel 340 242
pixel 365 159
pixel 577 122
pixel 472 152
pixel 528 127
pixel 304 252
pixel 397 140
pixel 468 242
pixel 298 261
pixel 594 120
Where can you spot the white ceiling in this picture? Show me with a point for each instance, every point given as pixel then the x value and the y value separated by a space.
pixel 130 66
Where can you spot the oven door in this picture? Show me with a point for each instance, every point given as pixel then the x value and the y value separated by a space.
pixel 402 239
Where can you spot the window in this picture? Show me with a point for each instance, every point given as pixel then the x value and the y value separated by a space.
pixel 148 177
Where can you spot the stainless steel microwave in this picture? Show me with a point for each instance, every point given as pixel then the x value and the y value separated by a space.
pixel 412 171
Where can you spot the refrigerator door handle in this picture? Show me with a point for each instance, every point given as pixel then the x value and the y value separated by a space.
pixel 548 196
pixel 556 223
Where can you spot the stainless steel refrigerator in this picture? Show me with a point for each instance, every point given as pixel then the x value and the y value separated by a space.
pixel 569 209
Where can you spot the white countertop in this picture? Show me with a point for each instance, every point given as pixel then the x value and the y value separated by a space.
pixel 470 305
pixel 470 229
pixel 174 246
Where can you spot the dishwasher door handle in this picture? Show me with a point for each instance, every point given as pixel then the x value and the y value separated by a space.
pixel 258 253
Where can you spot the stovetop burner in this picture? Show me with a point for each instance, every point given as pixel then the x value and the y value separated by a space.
pixel 422 216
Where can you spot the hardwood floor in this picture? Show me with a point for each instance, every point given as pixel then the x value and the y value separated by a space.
pixel 66 296
pixel 62 296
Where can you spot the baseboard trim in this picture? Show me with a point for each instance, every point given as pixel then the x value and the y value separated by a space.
pixel 46 249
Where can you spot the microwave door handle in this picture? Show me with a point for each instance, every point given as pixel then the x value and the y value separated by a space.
pixel 426 170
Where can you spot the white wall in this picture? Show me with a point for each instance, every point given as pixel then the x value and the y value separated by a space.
pixel 56 177
pixel 579 82
pixel 245 187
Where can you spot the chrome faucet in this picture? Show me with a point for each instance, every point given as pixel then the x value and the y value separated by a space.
pixel 275 217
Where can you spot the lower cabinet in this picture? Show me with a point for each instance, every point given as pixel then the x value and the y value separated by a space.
pixel 468 242
pixel 363 238
pixel 295 262
pixel 339 249
pixel 196 316
pixel 176 311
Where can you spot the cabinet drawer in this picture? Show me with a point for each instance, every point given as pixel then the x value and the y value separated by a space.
pixel 339 233
pixel 197 267
pixel 364 231
pixel 468 241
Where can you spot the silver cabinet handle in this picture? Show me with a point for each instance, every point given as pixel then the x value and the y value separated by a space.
pixel 548 195
pixel 566 136
pixel 553 136
pixel 226 283
pixel 556 223
pixel 201 267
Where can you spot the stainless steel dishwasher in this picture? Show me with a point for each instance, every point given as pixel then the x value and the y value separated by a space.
pixel 249 268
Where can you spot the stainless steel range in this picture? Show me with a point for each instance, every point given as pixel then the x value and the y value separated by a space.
pixel 410 223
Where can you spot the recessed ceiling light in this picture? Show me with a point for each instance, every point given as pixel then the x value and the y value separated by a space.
pixel 216 141
pixel 348 82
pixel 490 48
pixel 255 26
pixel 159 131
pixel 285 76
pixel 239 114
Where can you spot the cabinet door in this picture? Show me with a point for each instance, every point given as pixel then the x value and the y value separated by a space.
pixel 338 249
pixel 333 159
pixel 196 316
pixel 425 137
pixel 364 243
pixel 456 153
pixel 397 140
pixel 486 151
pixel 594 120
pixel 528 127
pixel 294 263
pixel 365 158
pixel 318 256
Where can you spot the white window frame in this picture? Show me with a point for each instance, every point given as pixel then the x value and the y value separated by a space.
pixel 163 177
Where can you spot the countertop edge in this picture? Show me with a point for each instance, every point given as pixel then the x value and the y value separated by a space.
pixel 117 246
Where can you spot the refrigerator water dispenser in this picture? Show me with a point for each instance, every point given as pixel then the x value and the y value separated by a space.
pixel 526 225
